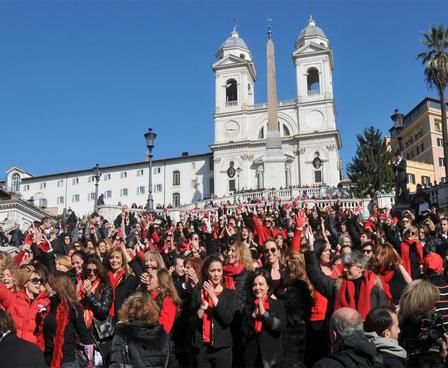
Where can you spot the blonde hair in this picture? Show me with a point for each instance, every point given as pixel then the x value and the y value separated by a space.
pixel 14 270
pixel 139 307
pixel 297 270
pixel 167 288
pixel 418 300
pixel 65 261
pixel 5 260
pixel 25 273
pixel 244 256
pixel 154 255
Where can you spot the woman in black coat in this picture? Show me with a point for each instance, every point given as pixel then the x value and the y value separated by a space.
pixel 264 321
pixel 139 340
pixel 213 308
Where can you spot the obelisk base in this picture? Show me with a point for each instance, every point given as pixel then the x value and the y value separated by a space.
pixel 274 169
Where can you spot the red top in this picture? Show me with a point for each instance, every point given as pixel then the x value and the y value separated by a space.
pixel 319 309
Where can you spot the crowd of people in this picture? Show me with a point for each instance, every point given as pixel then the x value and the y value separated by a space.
pixel 271 285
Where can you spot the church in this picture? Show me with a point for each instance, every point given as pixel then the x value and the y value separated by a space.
pixel 276 144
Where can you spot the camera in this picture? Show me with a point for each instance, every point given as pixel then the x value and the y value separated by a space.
pixel 431 333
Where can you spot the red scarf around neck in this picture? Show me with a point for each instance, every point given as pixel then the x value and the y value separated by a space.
pixel 405 253
pixel 386 276
pixel 62 320
pixel 207 318
pixel 258 319
pixel 230 271
pixel 88 314
pixel 346 294
pixel 114 281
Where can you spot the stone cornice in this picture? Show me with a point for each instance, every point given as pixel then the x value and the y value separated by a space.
pixel 24 207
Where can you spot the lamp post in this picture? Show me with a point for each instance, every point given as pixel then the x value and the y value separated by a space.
pixel 150 137
pixel 97 176
pixel 238 171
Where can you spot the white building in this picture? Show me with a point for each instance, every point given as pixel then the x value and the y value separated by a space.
pixel 307 123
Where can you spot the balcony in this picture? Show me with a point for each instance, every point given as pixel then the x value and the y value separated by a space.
pixel 231 103
pixel 314 92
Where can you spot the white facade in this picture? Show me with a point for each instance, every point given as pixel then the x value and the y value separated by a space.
pixel 176 181
pixel 310 139
pixel 307 124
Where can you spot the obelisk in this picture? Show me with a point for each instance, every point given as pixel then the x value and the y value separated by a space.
pixel 274 159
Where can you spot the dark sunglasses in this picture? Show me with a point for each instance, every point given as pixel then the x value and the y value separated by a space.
pixel 37 280
pixel 272 250
pixel 92 270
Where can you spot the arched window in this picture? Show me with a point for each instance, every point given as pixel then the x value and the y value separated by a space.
pixel 261 133
pixel 15 183
pixel 176 199
pixel 231 90
pixel 312 80
pixel 176 177
pixel 286 132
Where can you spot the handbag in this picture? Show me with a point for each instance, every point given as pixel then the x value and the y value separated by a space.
pixel 85 355
pixel 104 329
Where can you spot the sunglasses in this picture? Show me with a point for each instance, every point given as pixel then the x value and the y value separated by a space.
pixel 92 270
pixel 272 250
pixel 37 280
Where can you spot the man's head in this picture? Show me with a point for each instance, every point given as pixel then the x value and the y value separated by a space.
pixel 444 225
pixel 398 155
pixel 45 223
pixel 94 218
pixel 383 321
pixel 343 323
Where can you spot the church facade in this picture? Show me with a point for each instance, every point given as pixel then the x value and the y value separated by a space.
pixel 310 141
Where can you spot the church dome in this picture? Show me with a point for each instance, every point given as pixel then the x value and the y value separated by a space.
pixel 311 30
pixel 234 41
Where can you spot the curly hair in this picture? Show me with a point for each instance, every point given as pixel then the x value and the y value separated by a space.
pixel 139 307
pixel 244 255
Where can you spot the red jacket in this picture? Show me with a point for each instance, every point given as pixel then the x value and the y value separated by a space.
pixel 26 314
pixel 167 314
pixel 261 232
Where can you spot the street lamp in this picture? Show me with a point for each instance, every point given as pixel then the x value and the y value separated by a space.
pixel 97 176
pixel 150 137
pixel 238 170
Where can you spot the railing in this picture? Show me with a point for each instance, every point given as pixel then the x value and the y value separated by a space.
pixel 280 103
pixel 231 103
pixel 313 92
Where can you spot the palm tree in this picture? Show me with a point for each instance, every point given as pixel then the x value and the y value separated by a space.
pixel 435 61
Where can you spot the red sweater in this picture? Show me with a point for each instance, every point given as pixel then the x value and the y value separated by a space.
pixel 167 314
pixel 319 309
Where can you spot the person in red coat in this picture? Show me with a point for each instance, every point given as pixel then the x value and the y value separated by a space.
pixel 411 252
pixel 28 305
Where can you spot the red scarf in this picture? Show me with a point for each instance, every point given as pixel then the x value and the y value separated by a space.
pixel 114 281
pixel 88 314
pixel 346 294
pixel 405 253
pixel 385 277
pixel 230 271
pixel 258 319
pixel 207 318
pixel 62 319
pixel 79 286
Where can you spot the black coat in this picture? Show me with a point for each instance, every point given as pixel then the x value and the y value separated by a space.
pixel 356 351
pixel 267 344
pixel 19 353
pixel 125 287
pixel 100 304
pixel 400 171
pixel 222 318
pixel 147 346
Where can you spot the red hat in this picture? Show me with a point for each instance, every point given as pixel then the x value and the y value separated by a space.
pixel 433 262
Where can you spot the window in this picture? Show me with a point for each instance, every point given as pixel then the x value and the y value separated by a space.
pixel 157 188
pixel 318 176
pixel 438 125
pixel 140 172
pixel 312 80
pixel 60 183
pixel 261 133
pixel 232 187
pixel 211 164
pixel 124 192
pixel 75 181
pixel 212 185
pixel 426 180
pixel 441 162
pixel 231 90
pixel 140 190
pixel 108 194
pixel 193 184
pixel 90 179
pixel 156 170
pixel 411 178
pixel 91 197
pixel 26 188
pixel 15 183
pixel 176 199
pixel 43 185
pixel 106 177
pixel 43 202
pixel 75 198
pixel 124 175
pixel 286 132
pixel 439 142
pixel 420 148
pixel 176 177
pixel 60 200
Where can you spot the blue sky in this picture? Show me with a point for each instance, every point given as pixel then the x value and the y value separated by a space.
pixel 81 81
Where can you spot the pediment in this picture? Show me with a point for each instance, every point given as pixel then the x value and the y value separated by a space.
pixel 311 48
pixel 235 61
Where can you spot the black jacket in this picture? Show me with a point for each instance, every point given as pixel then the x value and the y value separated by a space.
pixel 19 353
pixel 356 351
pixel 328 286
pixel 125 287
pixel 146 345
pixel 222 318
pixel 100 304
pixel 268 343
